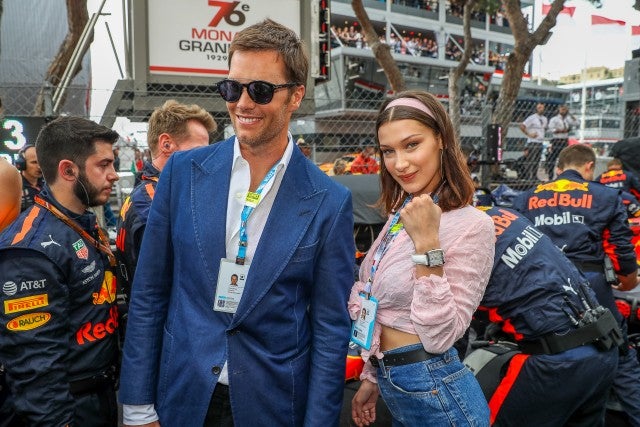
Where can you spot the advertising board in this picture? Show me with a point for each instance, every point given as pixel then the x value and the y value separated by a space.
pixel 16 132
pixel 192 37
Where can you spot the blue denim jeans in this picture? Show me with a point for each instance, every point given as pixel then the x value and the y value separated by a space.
pixel 440 391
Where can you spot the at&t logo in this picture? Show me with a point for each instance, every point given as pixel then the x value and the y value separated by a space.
pixel 10 288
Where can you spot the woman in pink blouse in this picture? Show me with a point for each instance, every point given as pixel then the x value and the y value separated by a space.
pixel 424 275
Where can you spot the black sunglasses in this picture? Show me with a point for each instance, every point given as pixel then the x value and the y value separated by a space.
pixel 259 91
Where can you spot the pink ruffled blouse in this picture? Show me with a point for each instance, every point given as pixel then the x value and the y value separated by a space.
pixel 437 309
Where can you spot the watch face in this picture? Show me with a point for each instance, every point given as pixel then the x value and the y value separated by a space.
pixel 435 257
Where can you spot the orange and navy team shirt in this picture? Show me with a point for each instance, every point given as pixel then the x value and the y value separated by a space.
pixel 586 220
pixel 621 180
pixel 532 284
pixel 133 220
pixel 58 318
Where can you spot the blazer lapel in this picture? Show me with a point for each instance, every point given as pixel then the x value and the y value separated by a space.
pixel 294 207
pixel 209 187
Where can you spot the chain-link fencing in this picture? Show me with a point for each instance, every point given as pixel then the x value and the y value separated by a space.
pixel 341 123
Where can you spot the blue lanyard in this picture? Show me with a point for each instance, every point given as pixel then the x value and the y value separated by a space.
pixel 394 229
pixel 251 201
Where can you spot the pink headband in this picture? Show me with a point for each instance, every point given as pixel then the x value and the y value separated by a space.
pixel 410 102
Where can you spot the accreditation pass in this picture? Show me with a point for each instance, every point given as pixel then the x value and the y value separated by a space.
pixel 231 281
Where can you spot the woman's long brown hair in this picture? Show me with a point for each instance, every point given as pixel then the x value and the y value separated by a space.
pixel 457 190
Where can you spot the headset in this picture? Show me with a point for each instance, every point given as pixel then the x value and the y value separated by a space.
pixel 21 161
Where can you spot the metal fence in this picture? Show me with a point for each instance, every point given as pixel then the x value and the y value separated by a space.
pixel 342 124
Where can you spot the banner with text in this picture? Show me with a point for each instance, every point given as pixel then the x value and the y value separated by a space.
pixel 192 37
pixel 16 132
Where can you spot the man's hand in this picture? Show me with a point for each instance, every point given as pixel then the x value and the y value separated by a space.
pixel 363 404
pixel 626 283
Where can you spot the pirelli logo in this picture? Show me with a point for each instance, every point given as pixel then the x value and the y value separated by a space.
pixel 27 303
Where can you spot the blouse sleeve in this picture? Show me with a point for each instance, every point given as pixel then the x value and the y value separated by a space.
pixel 369 373
pixel 442 307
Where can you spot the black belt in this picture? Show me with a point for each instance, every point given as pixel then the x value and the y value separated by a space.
pixel 603 333
pixel 102 381
pixel 405 358
pixel 589 266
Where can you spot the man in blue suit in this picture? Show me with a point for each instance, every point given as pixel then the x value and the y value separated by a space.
pixel 270 350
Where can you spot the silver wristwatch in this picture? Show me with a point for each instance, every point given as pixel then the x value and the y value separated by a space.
pixel 433 258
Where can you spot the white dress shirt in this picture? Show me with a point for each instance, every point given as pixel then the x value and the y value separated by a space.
pixel 537 125
pixel 564 124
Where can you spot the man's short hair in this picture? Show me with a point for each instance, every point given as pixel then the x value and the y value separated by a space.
pixel 614 163
pixel 172 118
pixel 576 155
pixel 69 138
pixel 269 35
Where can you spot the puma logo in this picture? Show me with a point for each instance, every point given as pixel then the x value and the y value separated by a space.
pixel 50 242
pixel 569 288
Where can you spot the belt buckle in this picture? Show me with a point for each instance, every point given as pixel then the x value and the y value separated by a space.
pixel 377 362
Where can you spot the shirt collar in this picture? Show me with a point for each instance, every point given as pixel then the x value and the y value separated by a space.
pixel 572 174
pixel 284 161
pixel 150 171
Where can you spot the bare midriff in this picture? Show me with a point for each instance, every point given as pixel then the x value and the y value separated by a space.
pixel 392 338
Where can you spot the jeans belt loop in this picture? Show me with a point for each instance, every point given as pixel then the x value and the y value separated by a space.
pixel 382 367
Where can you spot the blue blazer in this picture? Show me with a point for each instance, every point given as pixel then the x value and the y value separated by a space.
pixel 286 345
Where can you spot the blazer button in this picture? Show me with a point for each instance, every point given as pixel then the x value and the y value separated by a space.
pixel 216 370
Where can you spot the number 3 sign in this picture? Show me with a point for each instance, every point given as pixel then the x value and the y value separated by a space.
pixel 16 132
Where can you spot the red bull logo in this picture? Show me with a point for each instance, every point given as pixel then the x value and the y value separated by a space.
pixel 90 332
pixel 558 199
pixel 612 176
pixel 125 208
pixel 562 185
pixel 120 238
pixel 107 292
pixel 503 221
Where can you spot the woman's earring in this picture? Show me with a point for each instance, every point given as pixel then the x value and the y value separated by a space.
pixel 441 163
